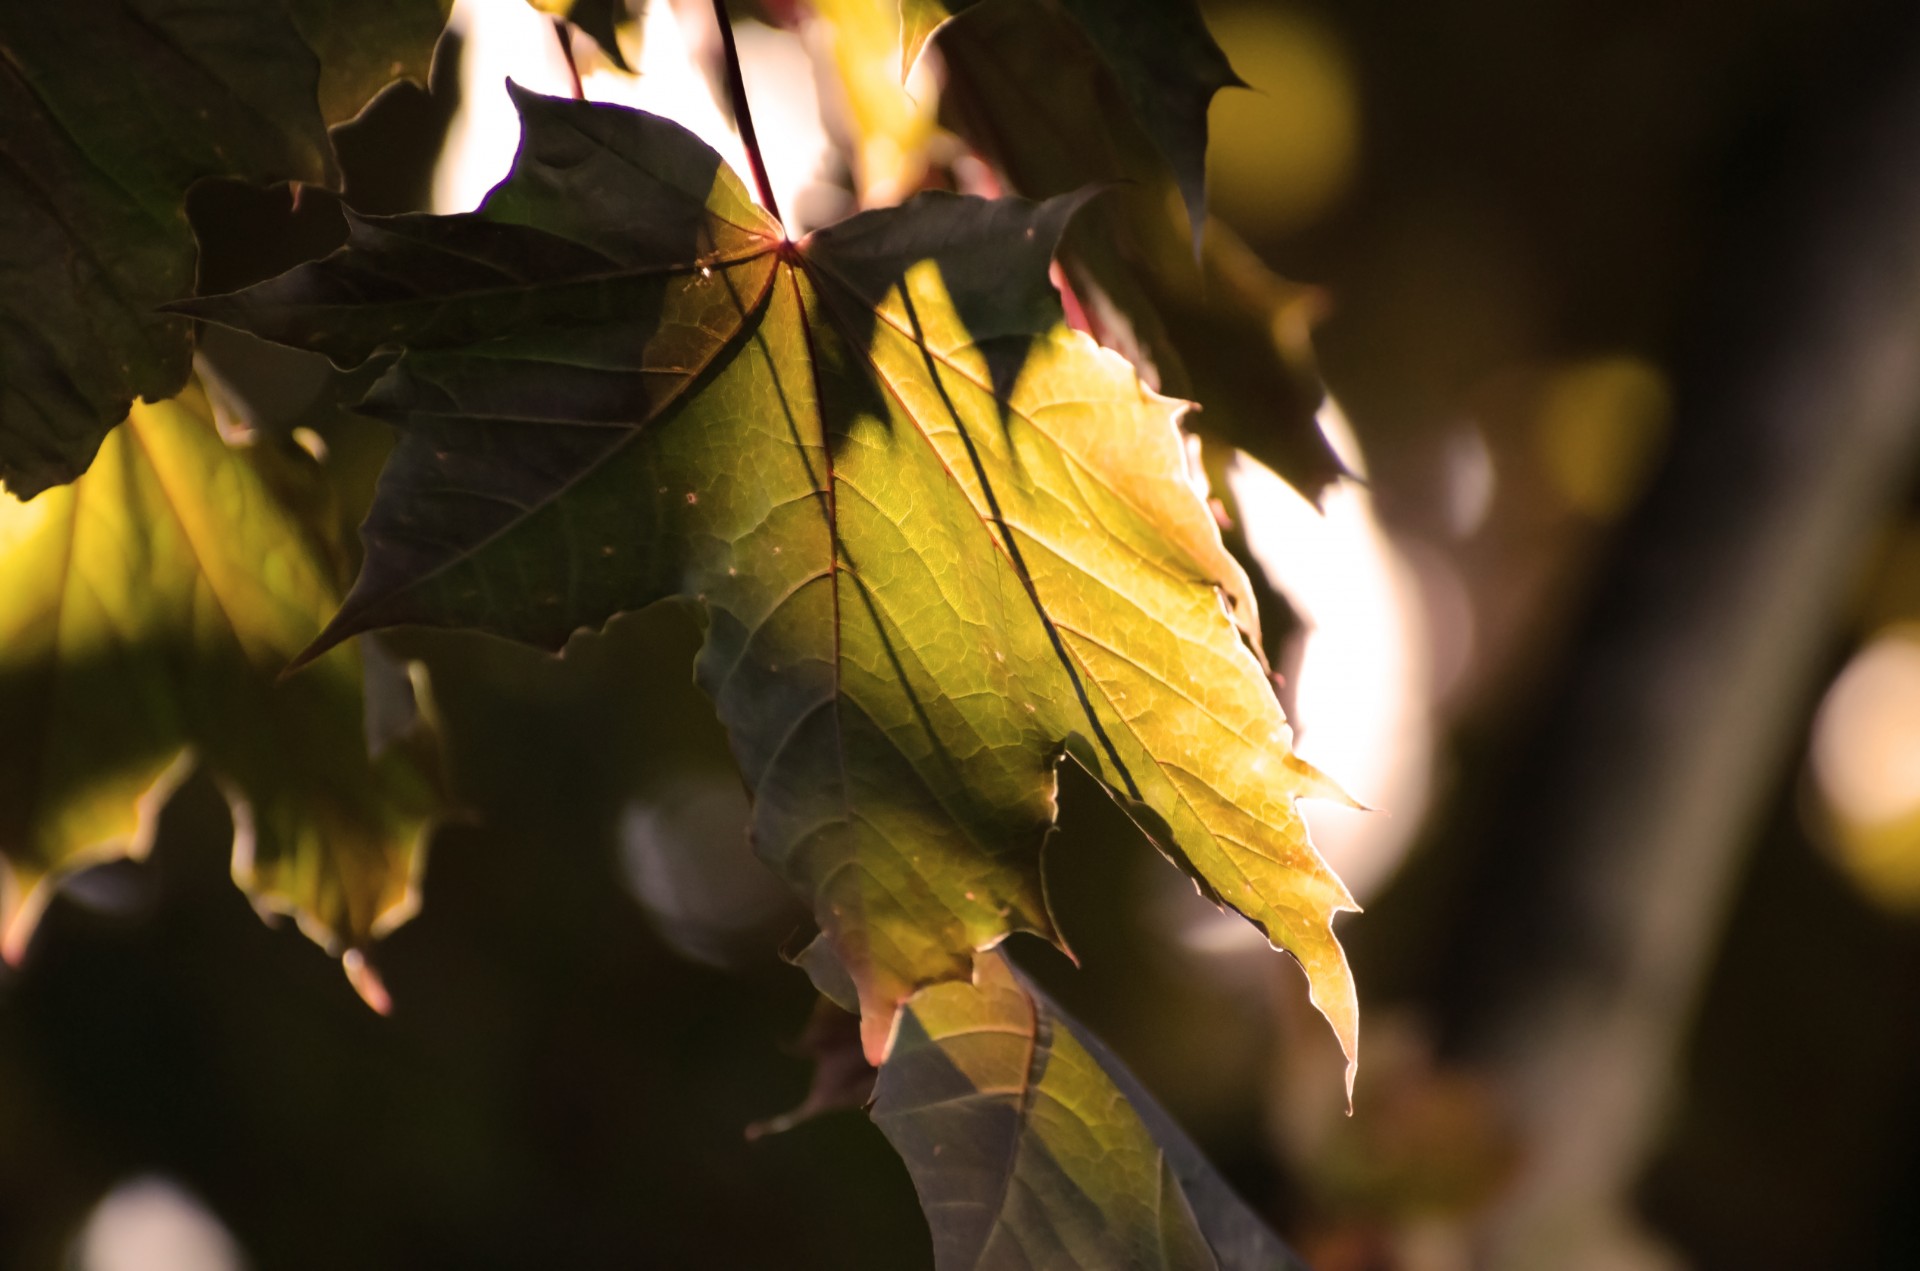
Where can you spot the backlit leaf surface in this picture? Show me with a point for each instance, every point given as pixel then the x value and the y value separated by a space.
pixel 938 539
pixel 1221 327
pixel 145 613
pixel 1032 1146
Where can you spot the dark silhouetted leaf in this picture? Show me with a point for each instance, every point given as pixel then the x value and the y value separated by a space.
pixel 1158 52
pixel 145 612
pixel 110 110
pixel 939 539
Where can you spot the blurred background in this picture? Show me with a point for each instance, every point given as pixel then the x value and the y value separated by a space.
pixel 1616 621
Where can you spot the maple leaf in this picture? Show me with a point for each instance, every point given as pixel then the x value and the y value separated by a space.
pixel 110 111
pixel 146 610
pixel 939 540
pixel 1031 1145
pixel 1217 326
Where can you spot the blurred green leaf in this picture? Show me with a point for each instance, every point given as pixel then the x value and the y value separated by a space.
pixel 1032 1146
pixel 1159 56
pixel 110 110
pixel 940 539
pixel 145 613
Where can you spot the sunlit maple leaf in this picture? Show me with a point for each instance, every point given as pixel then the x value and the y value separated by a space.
pixel 939 540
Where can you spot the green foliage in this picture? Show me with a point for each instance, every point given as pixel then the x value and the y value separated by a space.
pixel 940 542
pixel 1163 62
pixel 1032 1146
pixel 939 539
pixel 109 111
pixel 146 612
pixel 1026 87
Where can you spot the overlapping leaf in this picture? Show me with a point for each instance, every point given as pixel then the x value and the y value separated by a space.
pixel 1032 1146
pixel 145 613
pixel 110 110
pixel 938 538
pixel 1222 329
pixel 1158 53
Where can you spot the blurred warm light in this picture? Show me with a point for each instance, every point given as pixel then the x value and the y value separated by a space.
pixel 686 858
pixel 1866 766
pixel 1362 701
pixel 1284 152
pixel 1601 424
pixel 503 39
pixel 507 39
pixel 151 1224
pixel 1469 481
pixel 886 123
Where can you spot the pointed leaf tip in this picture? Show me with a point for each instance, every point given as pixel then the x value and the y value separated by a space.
pixel 367 982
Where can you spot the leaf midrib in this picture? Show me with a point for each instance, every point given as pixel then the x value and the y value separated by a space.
pixel 337 631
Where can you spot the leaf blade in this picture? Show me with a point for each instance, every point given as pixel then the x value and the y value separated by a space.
pixel 939 540
pixel 1031 1145
pixel 94 171
pixel 148 610
pixel 1159 55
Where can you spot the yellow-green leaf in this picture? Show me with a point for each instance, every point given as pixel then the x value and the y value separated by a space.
pixel 146 611
pixel 1222 328
pixel 1033 1146
pixel 939 539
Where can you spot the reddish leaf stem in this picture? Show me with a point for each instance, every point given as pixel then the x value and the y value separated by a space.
pixel 565 37
pixel 742 115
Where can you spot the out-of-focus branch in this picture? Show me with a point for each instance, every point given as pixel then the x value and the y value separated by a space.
pixel 1623 832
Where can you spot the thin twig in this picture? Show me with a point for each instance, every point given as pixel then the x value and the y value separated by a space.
pixel 742 116
pixel 565 37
